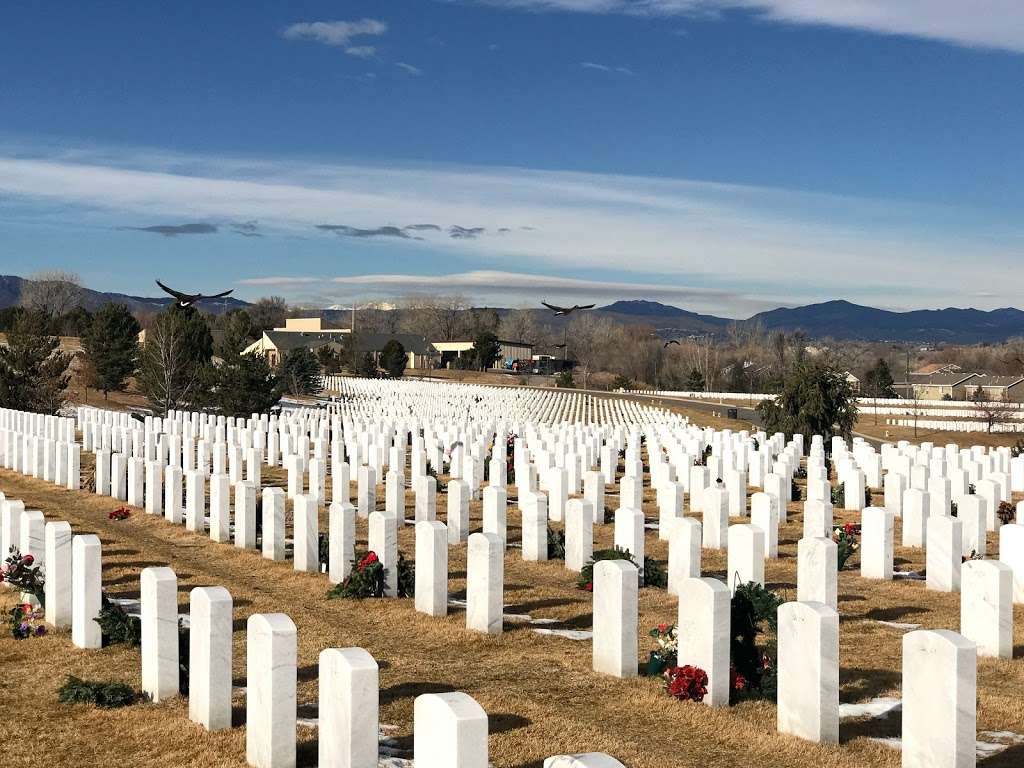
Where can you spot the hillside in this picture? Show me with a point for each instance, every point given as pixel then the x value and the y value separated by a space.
pixel 11 287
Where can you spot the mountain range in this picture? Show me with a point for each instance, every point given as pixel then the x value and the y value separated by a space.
pixel 839 320
pixel 11 287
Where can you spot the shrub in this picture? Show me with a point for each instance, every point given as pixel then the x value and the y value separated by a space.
pixel 564 380
pixel 103 694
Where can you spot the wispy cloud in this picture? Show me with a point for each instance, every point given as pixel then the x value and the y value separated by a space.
pixel 409 68
pixel 362 51
pixel 343 230
pixel 674 231
pixel 605 68
pixel 997 24
pixel 499 284
pixel 339 33
pixel 173 230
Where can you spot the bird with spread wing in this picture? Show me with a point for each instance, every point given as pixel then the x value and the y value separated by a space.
pixel 566 310
pixel 187 299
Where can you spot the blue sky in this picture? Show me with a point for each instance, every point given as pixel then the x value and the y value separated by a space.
pixel 723 155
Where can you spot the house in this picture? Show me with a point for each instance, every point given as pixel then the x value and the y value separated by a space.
pixel 997 389
pixel 930 368
pixel 510 351
pixel 852 380
pixel 936 386
pixel 297 332
pixel 420 354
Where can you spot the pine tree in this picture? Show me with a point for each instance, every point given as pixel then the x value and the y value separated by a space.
pixel 878 381
pixel 695 381
pixel 300 372
pixel 486 349
pixel 111 345
pixel 816 399
pixel 241 385
pixel 393 359
pixel 33 372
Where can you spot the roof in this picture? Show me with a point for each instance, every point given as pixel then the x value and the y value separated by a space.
pixel 286 341
pixel 374 342
pixel 931 368
pixel 939 379
pixel 1003 382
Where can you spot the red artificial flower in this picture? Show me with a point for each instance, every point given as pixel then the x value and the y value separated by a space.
pixel 848 528
pixel 739 682
pixel 590 586
pixel 26 608
pixel 372 558
pixel 2 572
pixel 687 683
pixel 662 628
pixel 28 559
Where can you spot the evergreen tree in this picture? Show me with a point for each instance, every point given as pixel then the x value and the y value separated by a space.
pixel 486 349
pixel 695 381
pixel 177 350
pixel 300 372
pixel 878 381
pixel 111 344
pixel 393 359
pixel 241 385
pixel 366 367
pixel 33 372
pixel 816 399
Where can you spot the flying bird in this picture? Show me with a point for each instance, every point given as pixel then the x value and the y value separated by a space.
pixel 670 342
pixel 187 300
pixel 566 310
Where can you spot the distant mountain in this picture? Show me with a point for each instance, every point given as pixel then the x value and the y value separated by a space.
pixel 845 320
pixel 840 320
pixel 11 287
pixel 668 321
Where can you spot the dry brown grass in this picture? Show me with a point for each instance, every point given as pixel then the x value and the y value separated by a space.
pixel 866 426
pixel 539 692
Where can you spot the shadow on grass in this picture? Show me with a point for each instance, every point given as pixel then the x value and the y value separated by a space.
pixel 865 684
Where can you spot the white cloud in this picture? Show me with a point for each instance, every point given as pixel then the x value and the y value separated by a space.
pixel 668 232
pixel 409 68
pixel 338 33
pixel 995 24
pixel 605 68
pixel 362 51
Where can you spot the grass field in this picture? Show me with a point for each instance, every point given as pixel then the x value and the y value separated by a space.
pixel 540 693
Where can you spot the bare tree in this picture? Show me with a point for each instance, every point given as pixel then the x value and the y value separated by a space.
pixel 993 412
pixel 520 325
pixel 169 375
pixel 52 292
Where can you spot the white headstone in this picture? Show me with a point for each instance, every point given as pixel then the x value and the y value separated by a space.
pixel 615 588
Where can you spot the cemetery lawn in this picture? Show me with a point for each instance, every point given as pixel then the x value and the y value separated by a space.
pixel 539 692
